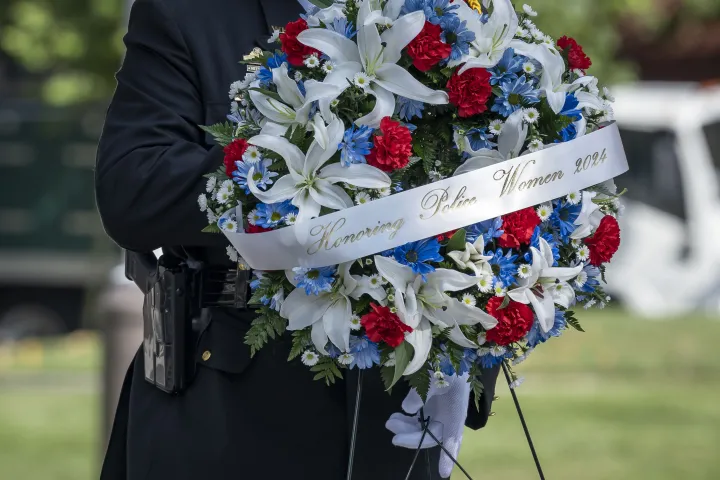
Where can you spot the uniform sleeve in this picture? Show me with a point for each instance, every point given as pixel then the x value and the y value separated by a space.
pixel 478 419
pixel 150 159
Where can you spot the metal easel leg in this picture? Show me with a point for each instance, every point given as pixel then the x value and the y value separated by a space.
pixel 353 438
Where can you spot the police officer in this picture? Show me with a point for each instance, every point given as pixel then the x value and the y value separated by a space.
pixel 239 418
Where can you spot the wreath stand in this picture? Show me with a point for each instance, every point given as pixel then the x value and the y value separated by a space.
pixel 426 431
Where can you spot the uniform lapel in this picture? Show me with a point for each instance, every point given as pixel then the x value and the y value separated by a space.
pixel 277 14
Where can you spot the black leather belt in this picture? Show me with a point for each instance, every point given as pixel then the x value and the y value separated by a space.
pixel 223 287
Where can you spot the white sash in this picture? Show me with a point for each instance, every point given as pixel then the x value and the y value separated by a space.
pixel 442 206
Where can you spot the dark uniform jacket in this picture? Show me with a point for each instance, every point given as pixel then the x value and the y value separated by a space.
pixel 241 418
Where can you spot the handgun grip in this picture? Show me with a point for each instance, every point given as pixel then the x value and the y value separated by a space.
pixel 141 268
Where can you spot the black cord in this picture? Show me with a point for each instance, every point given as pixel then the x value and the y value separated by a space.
pixel 419 449
pixel 448 453
pixel 522 420
pixel 353 439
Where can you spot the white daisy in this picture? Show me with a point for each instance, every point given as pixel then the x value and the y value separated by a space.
pixel 439 375
pixel 362 198
pixel 328 67
pixel 485 283
pixel 522 32
pixel 346 359
pixel 391 360
pixel 438 163
pixel 252 155
pixel 211 217
pixel 517 382
pixel 583 253
pixel 544 211
pixel 229 226
pixel 441 383
pixel 469 300
pixel 608 299
pixel 391 297
pixel 383 192
pixel 601 305
pixel 535 145
pixel 312 61
pixel 202 202
pixel 590 303
pixel 524 270
pixel 607 95
pixel 335 103
pixel 581 279
pixel 355 322
pixel 375 281
pixel 393 310
pixel 528 23
pixel 210 185
pixel 574 198
pixel 223 196
pixel 499 289
pixel 231 253
pixel 253 217
pixel 549 41
pixel 275 37
pixel 496 127
pixel 529 68
pixel 498 351
pixel 297 76
pixel 290 218
pixel 369 261
pixel 482 338
pixel 435 176
pixel 529 10
pixel 578 72
pixel 363 80
pixel 531 115
pixel 537 34
pixel 309 358
pixel 575 242
pixel 523 357
pixel 482 351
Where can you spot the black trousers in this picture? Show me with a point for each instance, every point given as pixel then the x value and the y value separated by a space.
pixel 263 418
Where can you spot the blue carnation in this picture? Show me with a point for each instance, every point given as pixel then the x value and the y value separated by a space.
pixel 417 254
pixel 315 280
pixel 365 353
pixel 356 145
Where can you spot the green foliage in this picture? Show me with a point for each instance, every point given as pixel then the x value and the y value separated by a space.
pixel 268 325
pixel 403 354
pixel 300 342
pixel 420 381
pixel 572 321
pixel 222 133
pixel 322 3
pixel 387 374
pixel 457 242
pixel 211 228
pixel 326 370
pixel 476 385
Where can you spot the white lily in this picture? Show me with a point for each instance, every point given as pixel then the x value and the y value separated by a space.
pixel 537 290
pixel 589 218
pixel 326 15
pixel 421 303
pixel 372 11
pixel 310 184
pixel 292 111
pixel 510 142
pixel 330 312
pixel 374 55
pixel 491 38
pixel 473 258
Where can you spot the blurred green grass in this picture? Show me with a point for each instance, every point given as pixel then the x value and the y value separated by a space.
pixel 628 399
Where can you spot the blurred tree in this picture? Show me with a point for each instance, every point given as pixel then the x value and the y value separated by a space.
pixel 73 45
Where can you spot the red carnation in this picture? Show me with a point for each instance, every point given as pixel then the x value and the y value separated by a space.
pixel 470 91
pixel 383 325
pixel 393 148
pixel 576 55
pixel 518 228
pixel 514 321
pixel 296 51
pixel 427 49
pixel 234 153
pixel 256 229
pixel 605 242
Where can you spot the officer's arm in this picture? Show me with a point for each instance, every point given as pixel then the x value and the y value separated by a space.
pixel 150 159
pixel 478 419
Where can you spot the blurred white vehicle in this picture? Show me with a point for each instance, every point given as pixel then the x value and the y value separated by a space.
pixel 669 261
